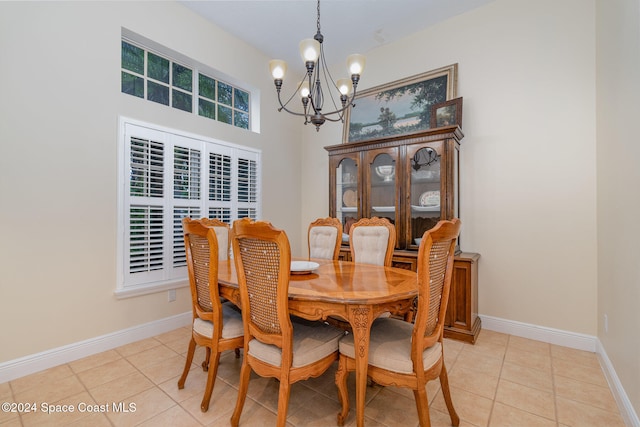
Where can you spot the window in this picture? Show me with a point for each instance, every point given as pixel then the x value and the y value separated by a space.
pixel 223 102
pixel 166 175
pixel 155 77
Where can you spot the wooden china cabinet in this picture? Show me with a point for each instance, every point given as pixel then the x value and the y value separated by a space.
pixel 413 180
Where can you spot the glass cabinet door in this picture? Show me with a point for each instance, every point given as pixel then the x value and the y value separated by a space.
pixel 347 196
pixel 425 198
pixel 382 190
pixel 414 182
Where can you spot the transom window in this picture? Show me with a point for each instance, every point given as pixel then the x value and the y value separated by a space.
pixel 166 175
pixel 156 77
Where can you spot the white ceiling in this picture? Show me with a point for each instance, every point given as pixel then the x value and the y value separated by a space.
pixel 348 26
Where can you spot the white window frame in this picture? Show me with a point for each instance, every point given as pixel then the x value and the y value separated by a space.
pixel 170 276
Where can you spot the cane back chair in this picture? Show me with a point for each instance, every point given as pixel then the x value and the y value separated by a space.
pixel 223 235
pixel 274 345
pixel 409 355
pixel 216 326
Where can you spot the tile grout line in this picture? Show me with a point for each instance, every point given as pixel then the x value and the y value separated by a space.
pixel 553 388
pixel 157 386
pixel 86 389
pixel 126 359
pixel 89 391
pixel 578 380
pixel 495 393
pixel 13 399
pixel 218 379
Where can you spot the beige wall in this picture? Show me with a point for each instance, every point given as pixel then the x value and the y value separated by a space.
pixel 528 177
pixel 557 234
pixel 59 106
pixel 618 91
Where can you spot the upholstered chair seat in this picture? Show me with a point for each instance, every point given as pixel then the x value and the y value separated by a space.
pixel 390 346
pixel 232 326
pixel 312 341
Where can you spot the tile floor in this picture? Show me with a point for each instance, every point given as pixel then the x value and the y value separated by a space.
pixel 502 380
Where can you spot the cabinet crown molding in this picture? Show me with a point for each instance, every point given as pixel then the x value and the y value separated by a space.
pixel 436 134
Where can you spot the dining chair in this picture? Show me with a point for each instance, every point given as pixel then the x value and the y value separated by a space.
pixel 324 238
pixel 274 346
pixel 223 234
pixel 372 241
pixel 216 326
pixel 409 355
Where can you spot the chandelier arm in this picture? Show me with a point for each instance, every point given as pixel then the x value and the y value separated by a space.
pixel 284 107
pixel 290 98
pixel 341 110
pixel 337 119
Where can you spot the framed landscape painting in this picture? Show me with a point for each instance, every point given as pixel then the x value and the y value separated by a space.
pixel 399 107
pixel 447 113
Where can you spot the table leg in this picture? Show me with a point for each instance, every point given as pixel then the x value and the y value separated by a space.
pixel 361 319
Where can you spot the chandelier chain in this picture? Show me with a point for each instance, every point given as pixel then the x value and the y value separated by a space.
pixel 318 20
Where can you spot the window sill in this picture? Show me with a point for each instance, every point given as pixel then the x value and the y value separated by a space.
pixel 135 291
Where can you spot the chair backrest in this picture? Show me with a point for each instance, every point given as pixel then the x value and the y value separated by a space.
pixel 223 233
pixel 201 246
pixel 262 256
pixel 372 241
pixel 324 238
pixel 435 271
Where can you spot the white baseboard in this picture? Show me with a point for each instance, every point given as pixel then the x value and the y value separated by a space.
pixel 572 340
pixel 626 408
pixel 540 333
pixel 17 368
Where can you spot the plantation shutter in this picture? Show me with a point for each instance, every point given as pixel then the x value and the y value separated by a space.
pixel 187 197
pixel 220 183
pixel 247 185
pixel 165 177
pixel 144 215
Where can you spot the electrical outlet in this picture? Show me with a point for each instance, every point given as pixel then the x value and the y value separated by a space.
pixel 606 323
pixel 172 295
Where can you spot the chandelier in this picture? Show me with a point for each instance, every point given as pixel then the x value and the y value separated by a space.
pixel 310 89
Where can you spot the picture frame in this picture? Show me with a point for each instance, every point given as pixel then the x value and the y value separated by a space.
pixel 400 107
pixel 447 113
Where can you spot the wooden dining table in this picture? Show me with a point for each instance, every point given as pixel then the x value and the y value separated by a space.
pixel 357 293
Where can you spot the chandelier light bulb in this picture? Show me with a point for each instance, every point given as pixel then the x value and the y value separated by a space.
pixel 278 68
pixel 345 86
pixel 356 63
pixel 304 90
pixel 309 50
